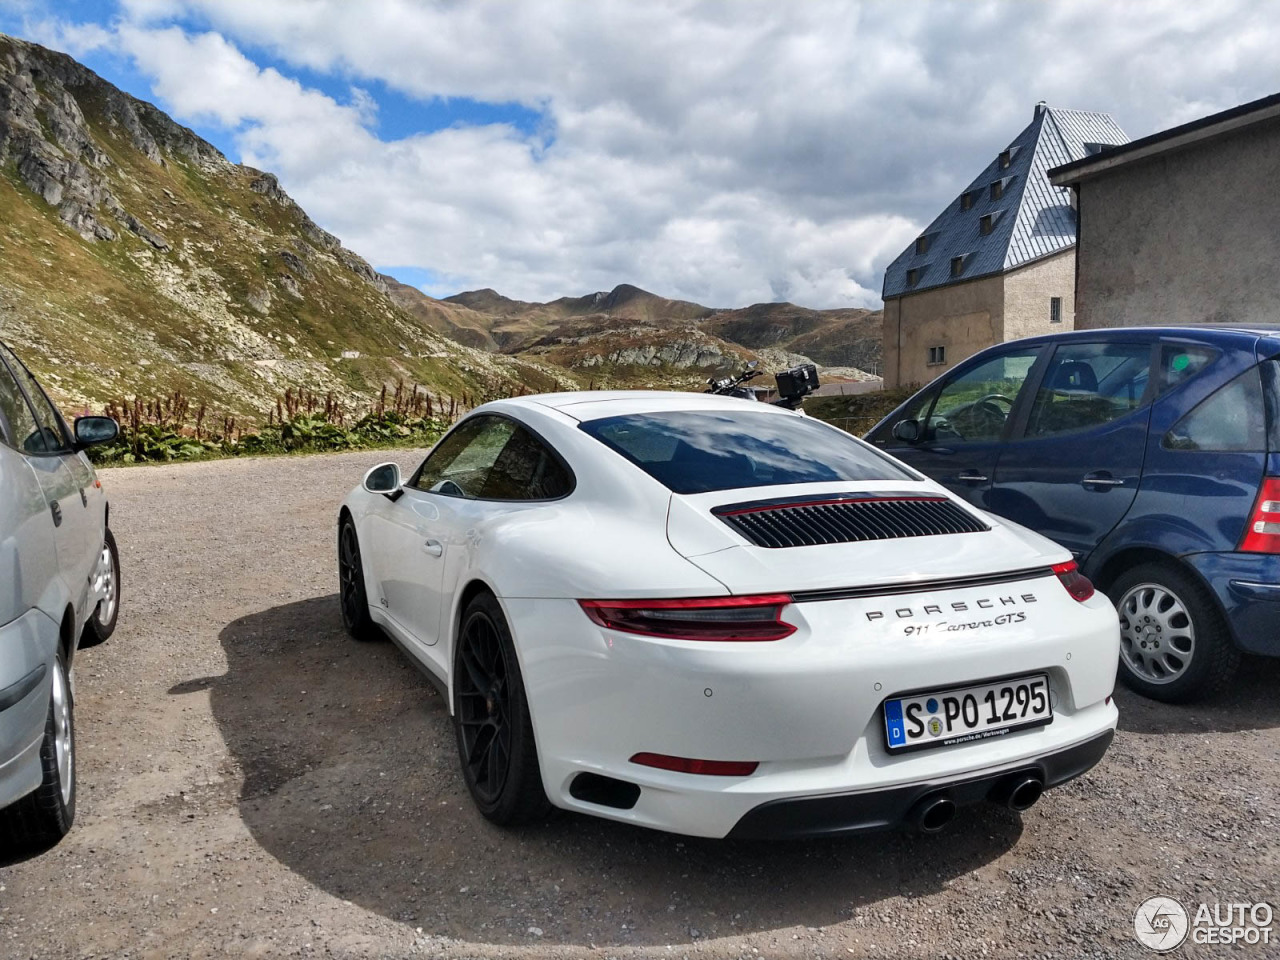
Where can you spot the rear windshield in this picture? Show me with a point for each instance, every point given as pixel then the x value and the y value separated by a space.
pixel 702 451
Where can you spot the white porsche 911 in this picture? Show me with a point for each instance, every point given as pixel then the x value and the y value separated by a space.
pixel 720 618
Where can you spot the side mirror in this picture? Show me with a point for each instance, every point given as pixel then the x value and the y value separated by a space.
pixel 908 431
pixel 383 479
pixel 93 430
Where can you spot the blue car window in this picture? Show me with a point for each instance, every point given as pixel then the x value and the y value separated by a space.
pixel 1180 363
pixel 974 406
pixel 1088 385
pixel 1233 418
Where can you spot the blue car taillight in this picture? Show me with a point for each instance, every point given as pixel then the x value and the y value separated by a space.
pixel 1262 535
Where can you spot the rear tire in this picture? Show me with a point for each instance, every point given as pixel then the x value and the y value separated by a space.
pixel 352 598
pixel 1175 644
pixel 102 623
pixel 491 720
pixel 44 816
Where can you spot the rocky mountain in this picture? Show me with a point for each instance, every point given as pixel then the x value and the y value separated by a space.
pixel 135 259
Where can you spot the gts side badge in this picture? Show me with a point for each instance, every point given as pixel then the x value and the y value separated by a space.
pixel 958 606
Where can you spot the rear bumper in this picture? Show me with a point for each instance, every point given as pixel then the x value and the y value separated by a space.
pixel 1248 587
pixel 886 809
pixel 806 709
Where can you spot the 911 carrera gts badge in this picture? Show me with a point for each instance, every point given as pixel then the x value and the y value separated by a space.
pixel 958 606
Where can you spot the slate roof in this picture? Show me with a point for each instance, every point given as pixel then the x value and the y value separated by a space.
pixel 1031 217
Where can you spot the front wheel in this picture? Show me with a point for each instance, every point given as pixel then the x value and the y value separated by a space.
pixel 491 719
pixel 106 587
pixel 44 816
pixel 1175 644
pixel 352 598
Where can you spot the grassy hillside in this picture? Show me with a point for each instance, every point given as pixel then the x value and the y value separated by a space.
pixel 139 260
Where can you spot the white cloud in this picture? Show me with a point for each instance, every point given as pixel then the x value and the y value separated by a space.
pixel 723 151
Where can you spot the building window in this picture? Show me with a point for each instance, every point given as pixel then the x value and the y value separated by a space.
pixel 966 201
pixel 997 189
pixel 922 244
pixel 987 223
pixel 957 266
pixel 937 355
pixel 913 276
pixel 1006 158
pixel 1055 309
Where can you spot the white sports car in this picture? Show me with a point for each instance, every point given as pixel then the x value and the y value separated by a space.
pixel 720 618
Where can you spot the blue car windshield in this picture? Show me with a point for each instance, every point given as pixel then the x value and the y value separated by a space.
pixel 703 451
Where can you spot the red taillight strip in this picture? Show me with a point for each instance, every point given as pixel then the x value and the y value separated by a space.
pixel 768 507
pixel 710 768
pixel 1078 585
pixel 663 619
pixel 1262 535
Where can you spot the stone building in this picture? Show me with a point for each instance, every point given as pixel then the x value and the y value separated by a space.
pixel 999 262
pixel 1182 226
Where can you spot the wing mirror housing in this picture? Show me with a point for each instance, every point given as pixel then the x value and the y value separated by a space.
pixel 90 431
pixel 908 431
pixel 384 479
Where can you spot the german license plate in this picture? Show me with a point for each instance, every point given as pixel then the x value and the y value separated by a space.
pixel 962 714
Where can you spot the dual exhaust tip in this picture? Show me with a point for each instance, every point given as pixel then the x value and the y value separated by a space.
pixel 1017 793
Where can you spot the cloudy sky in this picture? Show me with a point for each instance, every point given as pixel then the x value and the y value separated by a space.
pixel 723 151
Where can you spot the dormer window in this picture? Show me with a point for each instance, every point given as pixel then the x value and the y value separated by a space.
pixel 1006 158
pixel 913 276
pixel 957 266
pixel 988 223
pixel 997 189
pixel 966 200
pixel 922 243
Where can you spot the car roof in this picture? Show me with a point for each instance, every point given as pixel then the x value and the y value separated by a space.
pixel 594 404
pixel 1207 332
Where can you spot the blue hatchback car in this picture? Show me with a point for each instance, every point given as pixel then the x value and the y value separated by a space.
pixel 1153 454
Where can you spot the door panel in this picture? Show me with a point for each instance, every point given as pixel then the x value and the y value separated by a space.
pixel 967 419
pixel 410 562
pixel 1073 470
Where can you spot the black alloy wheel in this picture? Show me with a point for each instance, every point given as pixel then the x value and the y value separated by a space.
pixel 351 592
pixel 491 717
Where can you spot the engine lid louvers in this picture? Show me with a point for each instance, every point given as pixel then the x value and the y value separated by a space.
pixel 847 518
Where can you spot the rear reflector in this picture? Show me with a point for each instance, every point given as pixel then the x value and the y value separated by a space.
pixel 702 618
pixel 1078 585
pixel 710 768
pixel 1262 535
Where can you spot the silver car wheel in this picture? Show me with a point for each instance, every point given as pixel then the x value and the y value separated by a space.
pixel 1157 635
pixel 63 746
pixel 104 586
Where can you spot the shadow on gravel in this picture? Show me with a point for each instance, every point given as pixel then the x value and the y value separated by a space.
pixel 350 779
pixel 1251 702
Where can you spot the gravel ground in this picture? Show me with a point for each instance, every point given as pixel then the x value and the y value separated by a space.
pixel 252 783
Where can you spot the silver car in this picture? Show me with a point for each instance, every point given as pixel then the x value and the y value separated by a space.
pixel 59 590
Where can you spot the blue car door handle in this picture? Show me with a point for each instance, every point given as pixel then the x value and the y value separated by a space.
pixel 972 476
pixel 1101 479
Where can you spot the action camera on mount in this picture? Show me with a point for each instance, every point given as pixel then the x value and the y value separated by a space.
pixel 796 384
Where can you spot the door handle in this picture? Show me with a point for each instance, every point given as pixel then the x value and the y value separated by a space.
pixel 972 476
pixel 433 547
pixel 1101 480
pixel 56 509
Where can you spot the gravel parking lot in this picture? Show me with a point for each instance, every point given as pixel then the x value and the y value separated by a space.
pixel 251 782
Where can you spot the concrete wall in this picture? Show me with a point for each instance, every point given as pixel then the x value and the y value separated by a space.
pixel 1028 291
pixel 963 317
pixel 1189 237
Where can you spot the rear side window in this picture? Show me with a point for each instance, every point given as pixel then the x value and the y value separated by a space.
pixel 493 458
pixel 1232 418
pixel 1180 363
pixel 1088 385
pixel 700 451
